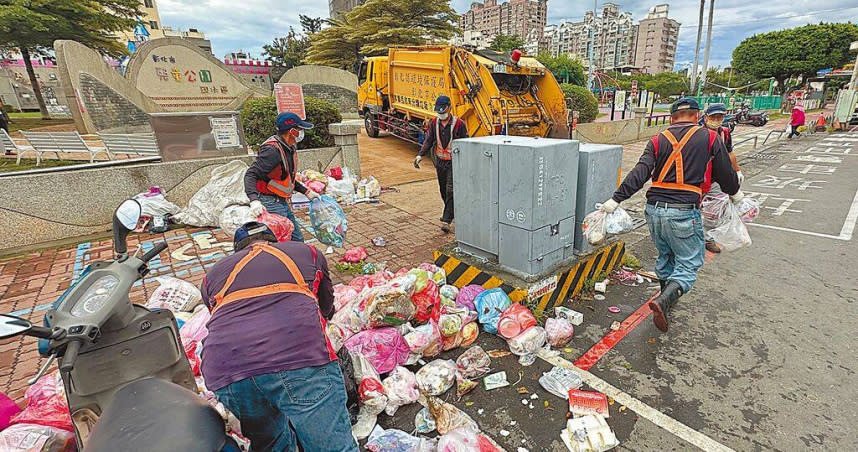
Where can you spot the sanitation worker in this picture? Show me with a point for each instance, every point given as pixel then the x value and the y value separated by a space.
pixel 443 129
pixel 714 119
pixel 270 180
pixel 676 160
pixel 266 356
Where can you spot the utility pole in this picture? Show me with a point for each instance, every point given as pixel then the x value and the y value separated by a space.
pixel 590 70
pixel 853 82
pixel 697 48
pixel 708 46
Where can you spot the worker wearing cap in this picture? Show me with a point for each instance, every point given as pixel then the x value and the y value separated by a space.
pixel 714 119
pixel 266 356
pixel 270 180
pixel 443 129
pixel 676 160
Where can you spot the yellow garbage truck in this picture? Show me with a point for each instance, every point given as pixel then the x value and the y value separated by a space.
pixel 493 93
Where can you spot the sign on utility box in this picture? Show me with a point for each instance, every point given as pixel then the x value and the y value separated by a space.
pixel 290 97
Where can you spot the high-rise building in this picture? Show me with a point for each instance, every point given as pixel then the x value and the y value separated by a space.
pixel 614 36
pixel 656 43
pixel 514 17
pixel 336 8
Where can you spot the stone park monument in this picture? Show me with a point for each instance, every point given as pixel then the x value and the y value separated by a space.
pixel 331 84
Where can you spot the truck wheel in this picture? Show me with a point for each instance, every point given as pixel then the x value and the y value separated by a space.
pixel 371 125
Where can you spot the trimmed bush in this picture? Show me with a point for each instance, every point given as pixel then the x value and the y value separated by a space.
pixel 580 99
pixel 258 115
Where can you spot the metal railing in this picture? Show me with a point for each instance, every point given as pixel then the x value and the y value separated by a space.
pixel 657 120
pixel 739 143
pixel 779 132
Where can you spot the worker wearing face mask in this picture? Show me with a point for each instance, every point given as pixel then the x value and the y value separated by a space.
pixel 443 129
pixel 270 180
pixel 714 118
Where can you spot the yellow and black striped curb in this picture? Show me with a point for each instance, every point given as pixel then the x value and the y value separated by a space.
pixel 569 281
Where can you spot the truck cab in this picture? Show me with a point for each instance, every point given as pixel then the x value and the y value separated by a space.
pixel 372 85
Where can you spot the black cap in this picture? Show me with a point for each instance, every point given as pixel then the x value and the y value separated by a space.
pixel 250 232
pixel 685 103
pixel 716 109
pixel 442 104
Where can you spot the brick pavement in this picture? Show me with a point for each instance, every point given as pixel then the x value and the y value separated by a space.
pixel 31 281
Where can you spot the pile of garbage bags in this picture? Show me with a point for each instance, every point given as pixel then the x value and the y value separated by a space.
pixel 341 185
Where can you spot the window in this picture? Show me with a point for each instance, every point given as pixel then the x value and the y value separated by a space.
pixel 362 73
pixel 148 4
pixel 153 25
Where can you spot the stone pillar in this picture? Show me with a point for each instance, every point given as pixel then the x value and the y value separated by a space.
pixel 640 116
pixel 346 138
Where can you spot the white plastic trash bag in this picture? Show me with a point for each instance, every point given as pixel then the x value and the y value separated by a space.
pixel 154 204
pixel 224 188
pixel 526 344
pixel 436 377
pixel 748 209
pixel 714 209
pixel 597 224
pixel 560 380
pixel 174 294
pixel 401 389
pixel 618 222
pixel 732 234
pixel 233 217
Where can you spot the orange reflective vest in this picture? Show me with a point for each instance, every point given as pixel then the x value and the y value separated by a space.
pixel 280 181
pixel 675 161
pixel 443 152
pixel 300 285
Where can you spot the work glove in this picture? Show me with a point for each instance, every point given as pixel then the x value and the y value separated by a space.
pixel 256 208
pixel 311 195
pixel 417 161
pixel 741 177
pixel 737 197
pixel 609 206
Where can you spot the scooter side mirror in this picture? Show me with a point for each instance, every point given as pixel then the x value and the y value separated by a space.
pixel 13 326
pixel 124 221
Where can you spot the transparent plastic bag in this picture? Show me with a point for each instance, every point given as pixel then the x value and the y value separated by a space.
pixel 174 294
pixel 371 393
pixel 593 227
pixel 618 222
pixel 733 234
pixel 515 319
pixel 436 273
pixel 748 209
pixel 391 306
pixel 526 344
pixel 450 292
pixel 473 363
pixel 281 226
pixel 560 380
pixel 344 295
pixel 36 438
pixel 462 439
pixel 448 417
pixel 559 331
pixel 427 301
pixel 392 440
pixel 450 324
pixel 424 340
pixel 368 188
pixel 328 221
pixel 401 389
pixel 384 348
pixel 470 332
pixel 713 208
pixel 46 404
pixel 490 305
pixel 436 377
pixel 423 421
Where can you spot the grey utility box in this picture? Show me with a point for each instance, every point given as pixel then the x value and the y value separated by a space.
pixel 599 167
pixel 515 199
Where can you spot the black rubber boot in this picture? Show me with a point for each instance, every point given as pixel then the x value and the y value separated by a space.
pixel 662 284
pixel 663 303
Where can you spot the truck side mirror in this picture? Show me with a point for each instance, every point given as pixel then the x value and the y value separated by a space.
pixel 124 221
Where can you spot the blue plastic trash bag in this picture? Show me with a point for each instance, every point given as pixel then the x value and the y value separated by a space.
pixel 328 221
pixel 490 305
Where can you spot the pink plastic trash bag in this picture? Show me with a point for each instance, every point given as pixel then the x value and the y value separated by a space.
pixel 36 438
pixel 467 295
pixel 316 186
pixel 428 302
pixel 384 348
pixel 401 389
pixel 344 295
pixel 46 404
pixel 281 226
pixel 424 340
pixel 559 331
pixel 355 255
pixel 8 408
pixel 515 319
pixel 194 330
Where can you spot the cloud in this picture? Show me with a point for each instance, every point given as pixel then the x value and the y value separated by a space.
pixel 248 24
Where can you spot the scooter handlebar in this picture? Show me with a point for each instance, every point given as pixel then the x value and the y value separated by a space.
pixel 70 355
pixel 156 250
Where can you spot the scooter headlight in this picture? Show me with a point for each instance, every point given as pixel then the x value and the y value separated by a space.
pixel 96 296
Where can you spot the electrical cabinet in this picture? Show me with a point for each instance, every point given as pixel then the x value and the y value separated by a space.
pixel 599 167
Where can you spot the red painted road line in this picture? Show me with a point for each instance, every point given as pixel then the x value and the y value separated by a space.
pixel 597 351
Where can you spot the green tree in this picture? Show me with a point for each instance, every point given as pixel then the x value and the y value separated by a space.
pixel 310 25
pixel 565 68
pixel 33 26
pixel 287 51
pixel 371 28
pixel 258 115
pixel 795 52
pixel 580 99
pixel 506 43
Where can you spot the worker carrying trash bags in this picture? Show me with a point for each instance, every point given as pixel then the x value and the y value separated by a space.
pixel 678 160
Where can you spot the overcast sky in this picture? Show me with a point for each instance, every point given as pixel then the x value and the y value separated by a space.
pixel 248 24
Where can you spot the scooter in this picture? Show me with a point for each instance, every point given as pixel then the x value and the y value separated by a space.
pixel 754 118
pixel 127 380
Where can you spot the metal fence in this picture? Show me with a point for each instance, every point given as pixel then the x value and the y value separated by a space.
pixel 756 102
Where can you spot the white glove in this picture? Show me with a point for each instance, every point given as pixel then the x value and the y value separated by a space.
pixel 737 197
pixel 609 206
pixel 417 161
pixel 256 208
pixel 741 177
pixel 311 195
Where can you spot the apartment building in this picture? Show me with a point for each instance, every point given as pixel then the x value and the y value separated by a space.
pixel 514 17
pixel 655 50
pixel 150 27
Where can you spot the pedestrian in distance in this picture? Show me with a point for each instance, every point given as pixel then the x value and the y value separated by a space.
pixel 677 161
pixel 796 120
pixel 714 119
pixel 266 356
pixel 270 180
pixel 443 129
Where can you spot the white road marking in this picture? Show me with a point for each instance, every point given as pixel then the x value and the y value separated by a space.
pixel 643 410
pixel 851 218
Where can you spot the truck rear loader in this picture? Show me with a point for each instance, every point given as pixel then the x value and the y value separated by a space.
pixel 493 93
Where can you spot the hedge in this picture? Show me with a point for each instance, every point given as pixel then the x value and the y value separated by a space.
pixel 579 98
pixel 258 115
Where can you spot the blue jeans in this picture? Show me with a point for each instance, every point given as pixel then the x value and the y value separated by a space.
pixel 678 237
pixel 280 206
pixel 312 400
